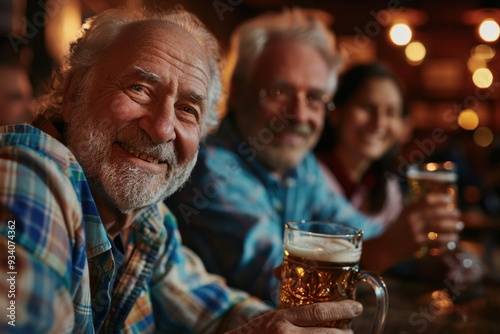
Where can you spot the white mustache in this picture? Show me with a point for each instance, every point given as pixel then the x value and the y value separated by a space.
pixel 164 153
pixel 300 129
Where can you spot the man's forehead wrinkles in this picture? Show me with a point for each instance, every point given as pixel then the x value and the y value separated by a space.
pixel 185 54
pixel 178 60
pixel 198 65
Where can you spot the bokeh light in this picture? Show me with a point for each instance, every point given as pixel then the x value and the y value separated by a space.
pixel 400 34
pixel 483 136
pixel 483 52
pixel 432 235
pixel 468 119
pixel 482 77
pixel 475 63
pixel 489 30
pixel 415 52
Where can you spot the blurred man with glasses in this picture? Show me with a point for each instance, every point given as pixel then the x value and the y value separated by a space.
pixel 257 172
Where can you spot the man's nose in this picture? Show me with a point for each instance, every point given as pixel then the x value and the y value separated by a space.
pixel 298 109
pixel 160 124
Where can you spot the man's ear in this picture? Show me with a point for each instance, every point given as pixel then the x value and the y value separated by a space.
pixel 69 97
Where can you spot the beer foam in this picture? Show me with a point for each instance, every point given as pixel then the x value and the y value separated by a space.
pixel 335 250
pixel 435 176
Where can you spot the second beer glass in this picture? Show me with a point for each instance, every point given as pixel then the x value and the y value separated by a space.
pixel 433 177
pixel 321 264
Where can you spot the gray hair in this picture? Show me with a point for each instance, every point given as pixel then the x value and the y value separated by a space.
pixel 306 26
pixel 99 33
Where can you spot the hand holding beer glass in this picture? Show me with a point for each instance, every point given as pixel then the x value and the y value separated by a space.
pixel 322 264
pixel 433 177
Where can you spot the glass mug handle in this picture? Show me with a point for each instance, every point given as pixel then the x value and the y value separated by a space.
pixel 382 295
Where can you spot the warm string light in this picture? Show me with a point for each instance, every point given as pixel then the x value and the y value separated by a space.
pixel 483 136
pixel 489 30
pixel 482 77
pixel 468 119
pixel 415 52
pixel 400 34
pixel 485 21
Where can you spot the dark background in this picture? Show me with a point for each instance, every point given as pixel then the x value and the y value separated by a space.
pixel 438 88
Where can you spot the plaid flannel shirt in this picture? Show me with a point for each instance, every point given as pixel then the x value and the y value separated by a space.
pixel 64 266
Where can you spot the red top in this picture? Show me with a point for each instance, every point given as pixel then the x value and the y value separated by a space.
pixel 348 185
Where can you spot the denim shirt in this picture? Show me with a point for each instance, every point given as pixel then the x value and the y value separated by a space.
pixel 233 211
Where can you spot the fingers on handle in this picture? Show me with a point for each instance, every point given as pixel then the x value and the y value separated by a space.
pixel 322 312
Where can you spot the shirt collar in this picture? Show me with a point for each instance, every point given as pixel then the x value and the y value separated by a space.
pixel 44 124
pixel 95 234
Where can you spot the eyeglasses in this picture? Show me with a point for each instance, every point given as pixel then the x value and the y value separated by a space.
pixel 282 96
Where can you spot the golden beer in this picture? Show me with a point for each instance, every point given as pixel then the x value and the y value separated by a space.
pixel 324 272
pixel 421 183
pixel 432 178
pixel 321 264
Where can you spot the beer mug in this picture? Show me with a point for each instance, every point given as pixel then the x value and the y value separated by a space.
pixel 436 177
pixel 321 264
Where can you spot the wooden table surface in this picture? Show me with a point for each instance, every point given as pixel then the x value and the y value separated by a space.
pixel 417 307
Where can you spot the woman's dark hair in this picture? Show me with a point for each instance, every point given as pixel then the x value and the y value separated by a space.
pixel 349 84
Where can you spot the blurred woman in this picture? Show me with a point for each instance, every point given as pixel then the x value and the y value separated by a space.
pixel 358 148
pixel 370 120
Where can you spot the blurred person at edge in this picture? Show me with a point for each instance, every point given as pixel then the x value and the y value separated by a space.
pixel 259 172
pixel 81 190
pixel 358 150
pixel 16 95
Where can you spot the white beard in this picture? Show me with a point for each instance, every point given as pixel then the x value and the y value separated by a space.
pixel 126 185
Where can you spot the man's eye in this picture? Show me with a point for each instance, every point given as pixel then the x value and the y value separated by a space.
pixel 316 101
pixel 314 98
pixel 274 92
pixel 189 110
pixel 138 88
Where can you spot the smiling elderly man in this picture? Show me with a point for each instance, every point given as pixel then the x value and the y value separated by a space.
pixel 83 231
